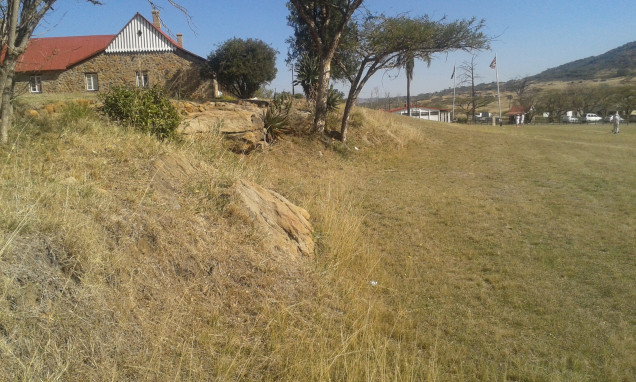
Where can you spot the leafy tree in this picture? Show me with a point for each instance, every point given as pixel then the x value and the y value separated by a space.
pixel 301 45
pixel 582 98
pixel 526 96
pixel 605 100
pixel 19 20
pixel 243 66
pixel 390 42
pixel 555 103
pixel 626 100
pixel 468 105
pixel 325 21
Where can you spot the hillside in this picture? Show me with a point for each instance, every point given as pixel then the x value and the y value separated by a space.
pixel 443 252
pixel 617 66
pixel 619 62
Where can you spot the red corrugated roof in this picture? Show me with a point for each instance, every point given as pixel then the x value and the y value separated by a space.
pixel 518 110
pixel 59 53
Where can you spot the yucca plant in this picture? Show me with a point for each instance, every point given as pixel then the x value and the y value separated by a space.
pixel 334 98
pixel 307 74
pixel 276 118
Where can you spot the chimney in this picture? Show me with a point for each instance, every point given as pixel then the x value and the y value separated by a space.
pixel 156 18
pixel 180 39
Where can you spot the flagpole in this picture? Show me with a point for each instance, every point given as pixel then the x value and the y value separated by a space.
pixel 454 81
pixel 498 93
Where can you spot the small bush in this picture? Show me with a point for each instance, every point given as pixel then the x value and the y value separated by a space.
pixel 334 98
pixel 148 110
pixel 276 118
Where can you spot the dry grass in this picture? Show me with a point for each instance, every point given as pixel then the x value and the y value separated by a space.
pixel 444 253
pixel 499 253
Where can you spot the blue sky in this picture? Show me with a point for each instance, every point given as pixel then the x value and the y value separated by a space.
pixel 531 35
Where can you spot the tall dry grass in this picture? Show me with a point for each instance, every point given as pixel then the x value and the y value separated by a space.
pixel 494 249
pixel 443 253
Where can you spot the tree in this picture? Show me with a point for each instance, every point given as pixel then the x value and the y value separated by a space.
pixel 605 100
pixel 243 66
pixel 19 20
pixel 325 22
pixel 626 100
pixel 468 76
pixel 468 105
pixel 526 96
pixel 582 98
pixel 409 66
pixel 389 42
pixel 555 103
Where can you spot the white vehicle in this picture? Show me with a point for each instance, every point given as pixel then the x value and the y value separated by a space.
pixel 570 119
pixel 591 118
pixel 610 117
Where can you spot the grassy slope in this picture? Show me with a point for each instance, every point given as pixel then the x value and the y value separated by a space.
pixel 498 253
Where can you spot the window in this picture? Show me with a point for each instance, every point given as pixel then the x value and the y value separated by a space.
pixel 142 79
pixel 91 82
pixel 35 84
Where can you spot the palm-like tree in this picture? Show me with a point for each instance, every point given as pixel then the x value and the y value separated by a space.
pixel 409 66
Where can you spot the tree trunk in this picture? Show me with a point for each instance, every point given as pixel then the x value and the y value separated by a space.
pixel 408 94
pixel 6 109
pixel 354 91
pixel 320 119
pixel 345 117
pixel 4 127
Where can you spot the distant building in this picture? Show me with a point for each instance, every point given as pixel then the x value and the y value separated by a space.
pixel 428 113
pixel 139 55
pixel 518 110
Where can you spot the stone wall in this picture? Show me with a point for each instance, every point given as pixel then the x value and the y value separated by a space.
pixel 176 71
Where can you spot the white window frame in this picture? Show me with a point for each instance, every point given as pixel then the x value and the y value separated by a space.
pixel 35 84
pixel 142 79
pixel 92 82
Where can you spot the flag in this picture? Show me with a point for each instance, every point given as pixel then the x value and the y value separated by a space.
pixel 493 64
pixel 453 75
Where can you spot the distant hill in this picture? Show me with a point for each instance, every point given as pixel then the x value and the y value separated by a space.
pixel 619 62
pixel 616 63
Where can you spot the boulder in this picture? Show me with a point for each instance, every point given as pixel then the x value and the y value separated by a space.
pixel 241 125
pixel 287 225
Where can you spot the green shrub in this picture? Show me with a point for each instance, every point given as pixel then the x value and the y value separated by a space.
pixel 334 98
pixel 148 110
pixel 276 118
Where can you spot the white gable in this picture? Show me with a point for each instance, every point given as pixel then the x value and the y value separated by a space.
pixel 140 36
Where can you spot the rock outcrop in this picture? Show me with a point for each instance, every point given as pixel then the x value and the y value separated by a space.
pixel 241 123
pixel 286 224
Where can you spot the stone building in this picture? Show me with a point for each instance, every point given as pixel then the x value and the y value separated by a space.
pixel 141 54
